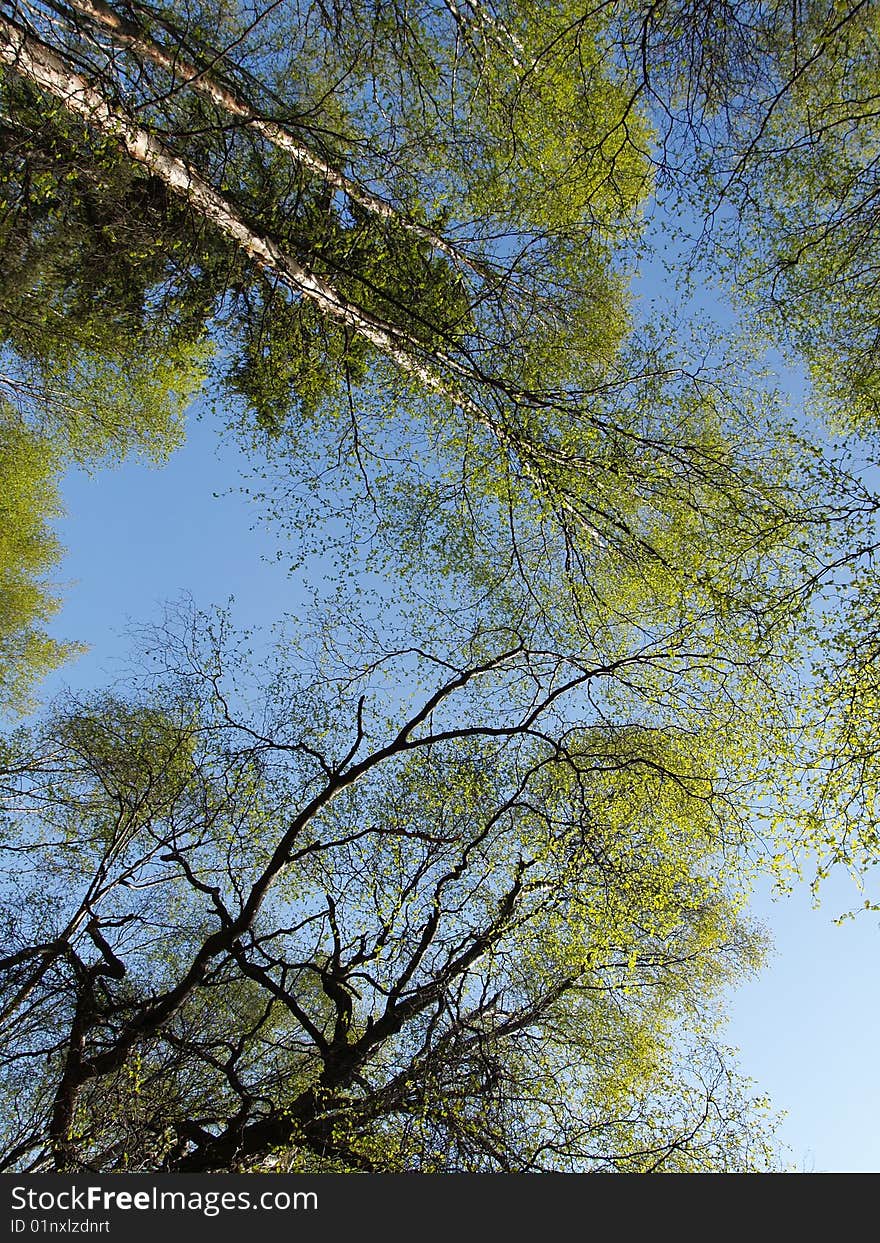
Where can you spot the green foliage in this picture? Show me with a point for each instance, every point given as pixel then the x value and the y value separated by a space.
pixel 465 944
pixel 811 208
pixel 771 136
pixel 28 553
pixel 90 359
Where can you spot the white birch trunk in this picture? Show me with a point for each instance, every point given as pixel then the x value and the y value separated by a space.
pixel 31 58
pixel 133 36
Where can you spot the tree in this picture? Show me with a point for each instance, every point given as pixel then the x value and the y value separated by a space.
pixel 456 935
pixel 28 551
pixel 277 206
pixel 770 116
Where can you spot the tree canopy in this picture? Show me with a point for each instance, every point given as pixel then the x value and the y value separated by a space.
pixel 325 936
pixel 457 886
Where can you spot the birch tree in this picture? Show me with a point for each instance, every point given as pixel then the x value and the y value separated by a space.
pixel 419 262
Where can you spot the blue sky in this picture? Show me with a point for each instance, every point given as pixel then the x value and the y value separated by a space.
pixel 808 1027
pixel 137 537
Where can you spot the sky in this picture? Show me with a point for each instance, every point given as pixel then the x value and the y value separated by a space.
pixel 808 1027
pixel 138 537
